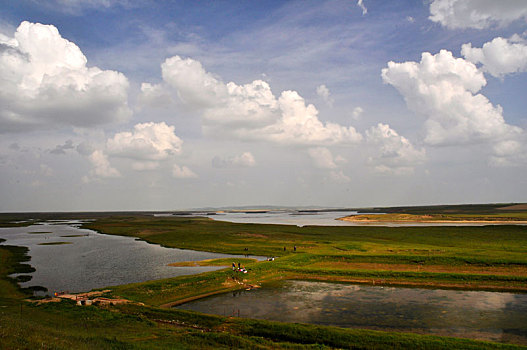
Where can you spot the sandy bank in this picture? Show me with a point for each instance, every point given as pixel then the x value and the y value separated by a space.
pixel 404 218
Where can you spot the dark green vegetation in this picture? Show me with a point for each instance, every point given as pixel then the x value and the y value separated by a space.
pixel 502 213
pixel 54 243
pixel 464 209
pixel 488 257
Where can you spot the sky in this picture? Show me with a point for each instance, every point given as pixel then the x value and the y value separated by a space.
pixel 171 105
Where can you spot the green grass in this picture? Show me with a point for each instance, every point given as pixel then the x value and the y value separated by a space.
pixel 216 262
pixel 66 326
pixel 487 242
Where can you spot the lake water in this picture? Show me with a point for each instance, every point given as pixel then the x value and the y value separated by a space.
pixel 470 314
pixel 92 260
pixel 315 219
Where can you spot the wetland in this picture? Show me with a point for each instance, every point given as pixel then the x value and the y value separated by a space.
pixel 348 286
pixel 473 314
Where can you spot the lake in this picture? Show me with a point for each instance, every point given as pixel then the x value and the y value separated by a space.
pixel 483 315
pixel 322 218
pixel 92 260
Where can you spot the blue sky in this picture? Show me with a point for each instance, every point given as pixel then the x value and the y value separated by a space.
pixel 157 105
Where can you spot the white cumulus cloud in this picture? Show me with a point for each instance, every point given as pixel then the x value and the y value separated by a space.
pixel 299 124
pixel 154 95
pixel 498 57
pixel 394 153
pixel 243 160
pixel 250 111
pixel 147 141
pixel 477 14
pixel 357 112
pixel 324 93
pixel 338 176
pixel 509 153
pixel 322 158
pixel 45 81
pixel 182 172
pixel 101 166
pixel 194 85
pixel 444 89
pixel 145 147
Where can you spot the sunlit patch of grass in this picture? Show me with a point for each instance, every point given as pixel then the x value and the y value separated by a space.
pixel 214 262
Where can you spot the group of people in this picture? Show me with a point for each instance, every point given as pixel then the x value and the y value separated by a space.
pixel 240 268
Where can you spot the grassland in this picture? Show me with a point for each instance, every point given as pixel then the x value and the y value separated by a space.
pixel 486 257
pixel 471 257
pixel 63 325
pixel 469 213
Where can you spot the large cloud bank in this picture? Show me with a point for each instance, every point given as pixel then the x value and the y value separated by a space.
pixel 44 82
pixel 248 112
pixel 445 89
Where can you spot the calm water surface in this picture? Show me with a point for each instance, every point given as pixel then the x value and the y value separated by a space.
pixel 315 219
pixel 92 260
pixel 471 314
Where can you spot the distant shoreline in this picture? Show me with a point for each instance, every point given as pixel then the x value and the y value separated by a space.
pixel 405 218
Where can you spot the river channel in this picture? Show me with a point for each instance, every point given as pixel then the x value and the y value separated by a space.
pixel 68 258
pixel 482 315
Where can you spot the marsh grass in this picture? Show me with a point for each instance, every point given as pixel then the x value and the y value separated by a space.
pixel 66 326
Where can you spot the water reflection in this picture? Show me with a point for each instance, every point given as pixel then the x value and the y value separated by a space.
pixel 92 260
pixel 317 219
pixel 473 314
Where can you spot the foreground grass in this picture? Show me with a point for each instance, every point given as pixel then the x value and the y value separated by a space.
pixel 66 326
pixel 491 257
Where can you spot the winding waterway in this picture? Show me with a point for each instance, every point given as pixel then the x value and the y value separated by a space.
pixel 68 258
pixel 471 314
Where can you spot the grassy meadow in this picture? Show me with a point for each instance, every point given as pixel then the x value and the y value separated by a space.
pixel 484 257
pixel 63 325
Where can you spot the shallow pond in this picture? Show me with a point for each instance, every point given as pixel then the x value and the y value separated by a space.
pixel 67 258
pixel 470 314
